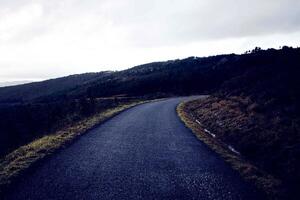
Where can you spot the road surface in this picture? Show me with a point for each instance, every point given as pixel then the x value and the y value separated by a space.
pixel 143 153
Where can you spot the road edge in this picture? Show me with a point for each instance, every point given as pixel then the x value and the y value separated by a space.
pixel 250 173
pixel 15 164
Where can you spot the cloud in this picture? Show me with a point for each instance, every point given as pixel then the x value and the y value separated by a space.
pixel 172 22
pixel 14 23
pixel 43 38
pixel 156 22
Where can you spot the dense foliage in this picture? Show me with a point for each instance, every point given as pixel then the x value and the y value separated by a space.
pixel 22 123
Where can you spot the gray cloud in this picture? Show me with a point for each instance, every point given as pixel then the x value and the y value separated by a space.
pixel 160 22
pixel 189 21
pixel 59 37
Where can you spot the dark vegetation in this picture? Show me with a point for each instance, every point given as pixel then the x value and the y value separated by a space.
pixel 183 77
pixel 260 90
pixel 22 123
pixel 258 112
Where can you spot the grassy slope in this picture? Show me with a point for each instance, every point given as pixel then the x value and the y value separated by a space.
pixel 257 111
pixel 15 163
pixel 264 181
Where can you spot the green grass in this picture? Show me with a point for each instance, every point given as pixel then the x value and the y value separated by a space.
pixel 16 162
pixel 263 181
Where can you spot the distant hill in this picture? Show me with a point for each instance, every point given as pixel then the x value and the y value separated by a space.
pixel 176 77
pixel 13 83
pixel 31 110
pixel 59 86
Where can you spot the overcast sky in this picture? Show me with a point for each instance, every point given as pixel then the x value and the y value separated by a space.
pixel 41 39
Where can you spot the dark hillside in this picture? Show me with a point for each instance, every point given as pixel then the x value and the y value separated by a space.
pixel 183 77
pixel 29 92
pixel 177 77
pixel 256 100
pixel 258 112
pixel 23 123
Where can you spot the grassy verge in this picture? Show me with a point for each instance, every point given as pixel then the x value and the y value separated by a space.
pixel 15 163
pixel 263 181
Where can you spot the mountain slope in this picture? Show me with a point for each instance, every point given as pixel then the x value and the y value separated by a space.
pixel 178 77
pixel 172 77
pixel 31 110
pixel 258 113
pixel 59 86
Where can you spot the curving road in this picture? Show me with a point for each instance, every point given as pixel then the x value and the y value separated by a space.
pixel 143 153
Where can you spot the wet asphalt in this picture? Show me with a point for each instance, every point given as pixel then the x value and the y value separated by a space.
pixel 145 152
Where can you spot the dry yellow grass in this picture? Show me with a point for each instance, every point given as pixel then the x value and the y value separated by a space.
pixel 248 171
pixel 12 165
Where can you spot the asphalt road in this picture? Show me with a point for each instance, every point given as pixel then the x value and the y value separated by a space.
pixel 143 153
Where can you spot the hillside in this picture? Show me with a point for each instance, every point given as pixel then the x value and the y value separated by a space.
pixel 170 77
pixel 267 80
pixel 177 77
pixel 55 87
pixel 258 113
pixel 13 83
